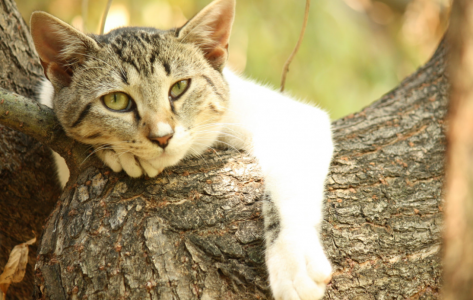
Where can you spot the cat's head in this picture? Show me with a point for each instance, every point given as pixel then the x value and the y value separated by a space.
pixel 159 95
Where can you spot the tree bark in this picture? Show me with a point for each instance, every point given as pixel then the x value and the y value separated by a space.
pixel 28 190
pixel 196 231
pixel 384 202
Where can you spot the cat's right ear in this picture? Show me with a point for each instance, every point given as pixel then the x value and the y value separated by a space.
pixel 61 47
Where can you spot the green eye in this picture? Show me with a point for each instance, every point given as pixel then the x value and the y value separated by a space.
pixel 117 101
pixel 178 89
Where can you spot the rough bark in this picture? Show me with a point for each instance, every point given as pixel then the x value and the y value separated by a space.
pixel 458 236
pixel 195 232
pixel 383 211
pixel 28 190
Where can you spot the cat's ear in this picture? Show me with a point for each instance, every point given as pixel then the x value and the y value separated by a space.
pixel 61 47
pixel 210 30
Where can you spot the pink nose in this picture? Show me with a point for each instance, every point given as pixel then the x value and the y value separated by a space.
pixel 162 141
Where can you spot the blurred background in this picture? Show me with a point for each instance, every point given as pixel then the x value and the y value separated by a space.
pixel 353 52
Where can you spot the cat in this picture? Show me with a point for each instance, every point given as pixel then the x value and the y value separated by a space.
pixel 147 98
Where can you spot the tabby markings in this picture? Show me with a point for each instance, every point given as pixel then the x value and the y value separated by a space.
pixel 94 136
pixel 137 116
pixel 82 115
pixel 167 68
pixel 210 82
pixel 124 77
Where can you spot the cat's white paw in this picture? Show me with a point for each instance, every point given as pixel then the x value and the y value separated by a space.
pixel 149 169
pixel 134 167
pixel 130 164
pixel 297 265
pixel 110 158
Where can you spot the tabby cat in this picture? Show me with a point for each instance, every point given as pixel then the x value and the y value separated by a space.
pixel 146 98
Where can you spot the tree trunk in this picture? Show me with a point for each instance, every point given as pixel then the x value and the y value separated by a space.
pixel 458 236
pixel 196 231
pixel 28 190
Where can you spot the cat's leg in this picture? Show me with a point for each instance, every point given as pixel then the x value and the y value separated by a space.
pixel 297 266
pixel 292 142
pixel 62 169
pixel 295 162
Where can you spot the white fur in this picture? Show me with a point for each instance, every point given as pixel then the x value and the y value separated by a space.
pixel 130 165
pixel 164 129
pixel 293 144
pixel 46 94
pixel 110 158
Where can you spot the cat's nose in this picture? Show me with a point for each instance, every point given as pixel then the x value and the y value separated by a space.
pixel 161 134
pixel 162 141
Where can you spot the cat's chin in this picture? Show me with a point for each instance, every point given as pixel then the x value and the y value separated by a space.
pixel 165 159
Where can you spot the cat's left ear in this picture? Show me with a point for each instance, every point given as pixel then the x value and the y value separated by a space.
pixel 210 30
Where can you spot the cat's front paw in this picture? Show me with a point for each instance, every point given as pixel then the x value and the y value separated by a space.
pixel 133 166
pixel 297 265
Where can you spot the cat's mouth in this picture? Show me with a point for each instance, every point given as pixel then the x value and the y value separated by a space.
pixel 165 154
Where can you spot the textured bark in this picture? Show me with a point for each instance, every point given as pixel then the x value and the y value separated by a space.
pixel 458 236
pixel 196 231
pixel 383 212
pixel 28 190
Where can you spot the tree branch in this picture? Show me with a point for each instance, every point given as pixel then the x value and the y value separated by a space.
pixel 40 122
pixel 104 17
pixel 29 117
pixel 458 234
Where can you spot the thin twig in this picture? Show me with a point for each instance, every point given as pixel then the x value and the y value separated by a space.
pixel 299 42
pixel 104 17
pixel 85 7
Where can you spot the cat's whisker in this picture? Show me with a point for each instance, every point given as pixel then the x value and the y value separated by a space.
pixel 198 154
pixel 225 125
pixel 227 144
pixel 111 146
pixel 221 133
pixel 104 147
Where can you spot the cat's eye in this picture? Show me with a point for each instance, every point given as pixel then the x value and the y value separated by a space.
pixel 117 101
pixel 178 89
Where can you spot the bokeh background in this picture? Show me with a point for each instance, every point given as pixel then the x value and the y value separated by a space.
pixel 353 52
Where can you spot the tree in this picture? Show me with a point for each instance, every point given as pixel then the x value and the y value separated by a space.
pixel 28 191
pixel 195 231
pixel 458 233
